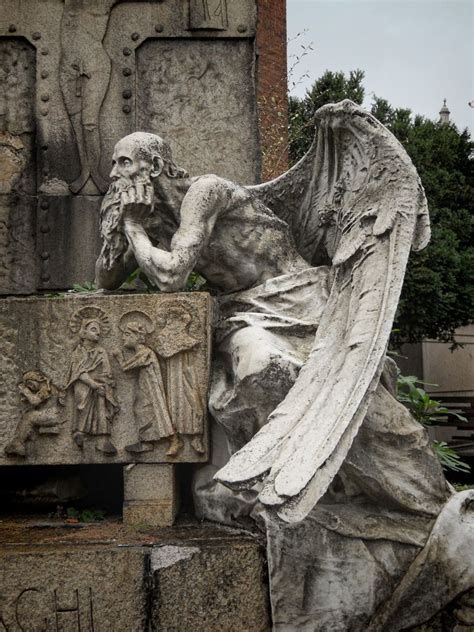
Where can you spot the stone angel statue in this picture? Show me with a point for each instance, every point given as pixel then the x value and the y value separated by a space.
pixel 308 270
pixel 353 203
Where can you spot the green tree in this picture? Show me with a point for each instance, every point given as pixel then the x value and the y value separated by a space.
pixel 330 88
pixel 438 294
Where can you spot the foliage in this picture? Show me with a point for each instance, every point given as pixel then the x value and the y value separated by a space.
pixel 438 293
pixel 85 286
pixel 459 487
pixel 430 412
pixel 330 88
pixel 85 515
pixel 195 283
pixel 73 515
pixel 138 280
pixel 449 458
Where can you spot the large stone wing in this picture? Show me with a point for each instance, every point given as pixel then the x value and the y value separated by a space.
pixel 357 196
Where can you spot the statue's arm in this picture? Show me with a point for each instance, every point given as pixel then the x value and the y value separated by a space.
pixel 170 269
pixel 112 279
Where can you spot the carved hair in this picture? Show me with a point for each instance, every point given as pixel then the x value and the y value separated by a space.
pixel 137 328
pixel 45 387
pixel 85 316
pixel 136 321
pixel 148 146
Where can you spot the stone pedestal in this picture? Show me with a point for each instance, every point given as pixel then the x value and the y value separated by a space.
pixel 107 578
pixel 150 495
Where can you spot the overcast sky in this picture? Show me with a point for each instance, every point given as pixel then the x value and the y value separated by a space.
pixel 414 53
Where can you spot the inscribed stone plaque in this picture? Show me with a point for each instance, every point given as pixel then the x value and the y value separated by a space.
pixel 104 379
pixel 65 589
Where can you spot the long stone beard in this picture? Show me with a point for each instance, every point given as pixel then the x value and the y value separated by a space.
pixel 114 240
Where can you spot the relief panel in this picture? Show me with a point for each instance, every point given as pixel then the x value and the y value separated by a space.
pixel 101 379
pixel 17 166
pixel 198 95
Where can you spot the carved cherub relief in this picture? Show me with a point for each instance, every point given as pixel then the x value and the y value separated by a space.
pixel 150 406
pixel 41 400
pixel 185 398
pixel 91 382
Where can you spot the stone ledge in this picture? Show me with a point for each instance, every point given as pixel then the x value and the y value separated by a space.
pixel 196 577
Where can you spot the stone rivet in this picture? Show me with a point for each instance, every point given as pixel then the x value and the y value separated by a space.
pixel 12 28
pixel 126 72
pixel 36 36
pixel 44 74
pixel 45 51
pixel 127 94
pixel 135 36
pixel 44 205
pixel 127 109
pixel 45 97
pixel 44 228
pixel 159 28
pixel 45 277
pixel 44 111
pixel 241 28
pixel 45 255
pixel 127 51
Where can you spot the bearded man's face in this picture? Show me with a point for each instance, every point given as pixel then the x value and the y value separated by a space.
pixel 126 166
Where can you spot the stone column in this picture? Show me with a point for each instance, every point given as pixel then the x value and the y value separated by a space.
pixel 150 495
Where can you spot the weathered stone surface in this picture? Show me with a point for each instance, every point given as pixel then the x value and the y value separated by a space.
pixel 198 95
pixel 101 379
pixel 19 273
pixel 150 495
pixel 353 533
pixel 207 586
pixel 72 588
pixel 67 240
pixel 74 78
pixel 458 616
pixel 190 577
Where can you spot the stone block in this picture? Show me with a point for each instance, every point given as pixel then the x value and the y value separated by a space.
pixel 150 495
pixel 67 240
pixel 214 129
pixel 107 578
pixel 73 588
pixel 94 378
pixel 210 586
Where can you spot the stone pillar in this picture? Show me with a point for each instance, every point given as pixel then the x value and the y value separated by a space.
pixel 150 495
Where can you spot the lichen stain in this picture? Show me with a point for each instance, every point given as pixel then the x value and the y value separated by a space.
pixel 12 161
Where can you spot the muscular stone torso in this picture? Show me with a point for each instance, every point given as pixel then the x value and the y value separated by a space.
pixel 248 243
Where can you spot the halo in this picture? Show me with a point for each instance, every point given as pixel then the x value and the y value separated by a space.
pixel 137 317
pixel 89 313
pixel 170 310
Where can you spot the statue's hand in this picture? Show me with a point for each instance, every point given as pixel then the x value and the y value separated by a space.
pixel 137 202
